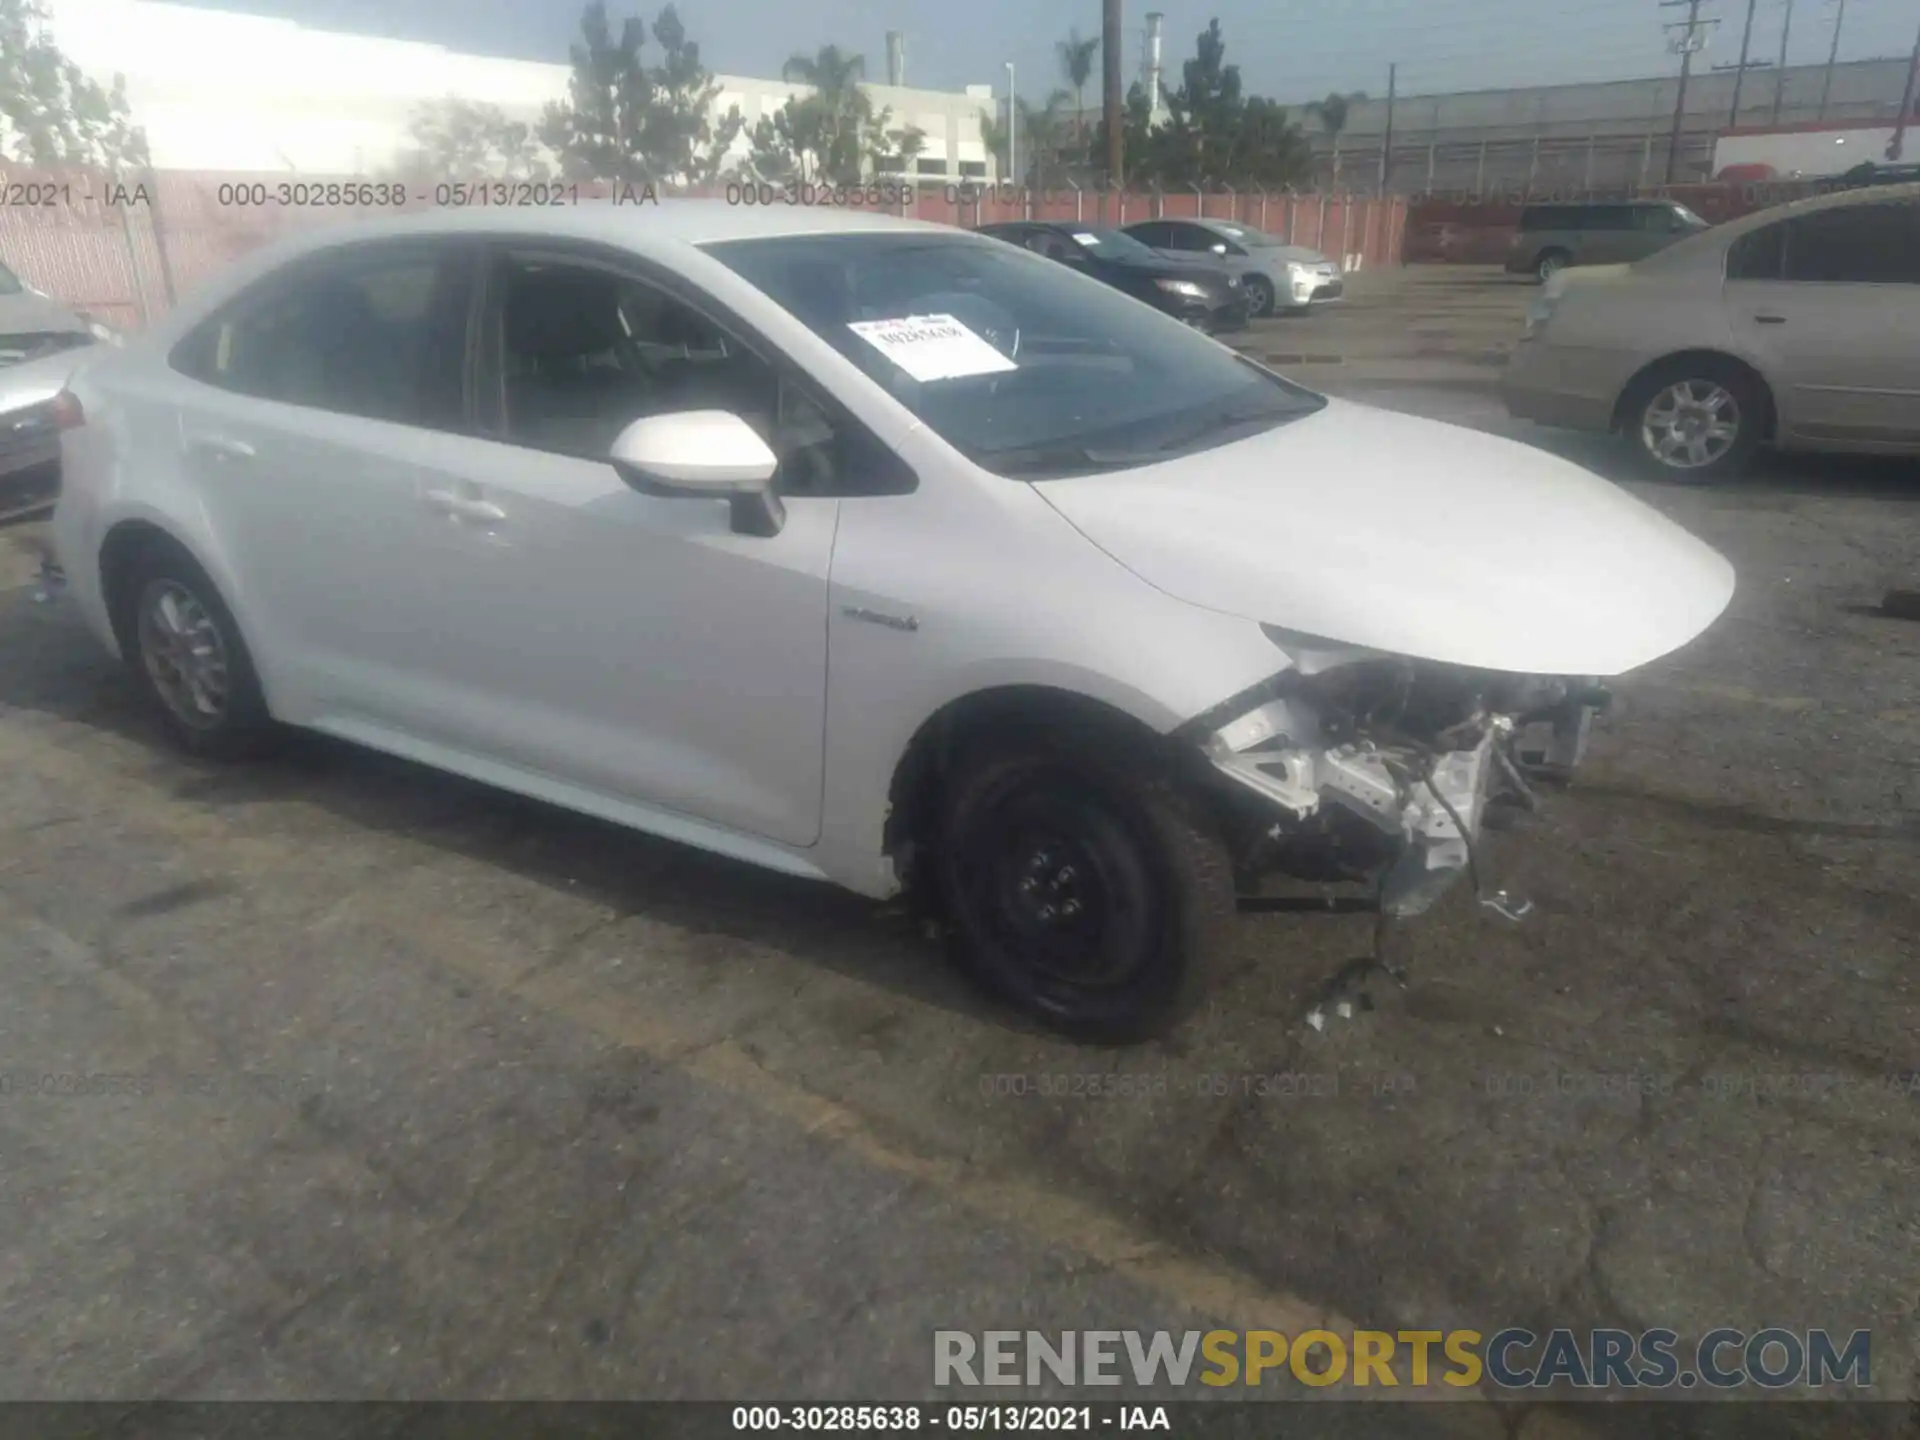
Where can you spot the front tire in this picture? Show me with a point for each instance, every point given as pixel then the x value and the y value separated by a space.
pixel 1260 295
pixel 1084 885
pixel 1696 422
pixel 186 654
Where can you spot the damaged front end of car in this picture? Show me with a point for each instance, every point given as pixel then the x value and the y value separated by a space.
pixel 1356 767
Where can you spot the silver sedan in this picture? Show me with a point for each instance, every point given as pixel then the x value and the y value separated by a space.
pixel 1275 274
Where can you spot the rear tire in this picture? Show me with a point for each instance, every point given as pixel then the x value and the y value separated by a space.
pixel 1696 422
pixel 1084 885
pixel 186 654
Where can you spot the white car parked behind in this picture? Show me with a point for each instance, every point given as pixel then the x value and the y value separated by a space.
pixel 856 548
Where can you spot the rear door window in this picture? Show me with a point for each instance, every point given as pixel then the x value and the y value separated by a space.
pixel 1565 217
pixel 1192 237
pixel 1759 254
pixel 1856 245
pixel 379 333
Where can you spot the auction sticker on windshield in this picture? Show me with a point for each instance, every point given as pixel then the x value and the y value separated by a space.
pixel 1089 240
pixel 932 347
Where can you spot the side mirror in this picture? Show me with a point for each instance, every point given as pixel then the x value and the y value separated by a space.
pixel 704 454
pixel 1219 249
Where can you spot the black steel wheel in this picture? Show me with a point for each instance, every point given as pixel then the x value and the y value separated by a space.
pixel 1087 890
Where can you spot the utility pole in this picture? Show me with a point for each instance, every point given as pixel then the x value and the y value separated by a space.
pixel 1013 131
pixel 1780 75
pixel 1833 54
pixel 1740 70
pixel 1386 145
pixel 1111 99
pixel 1686 45
pixel 1906 105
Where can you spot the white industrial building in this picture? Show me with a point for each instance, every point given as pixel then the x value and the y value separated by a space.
pixel 221 91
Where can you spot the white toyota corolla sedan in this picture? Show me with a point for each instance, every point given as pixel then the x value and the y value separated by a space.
pixel 860 549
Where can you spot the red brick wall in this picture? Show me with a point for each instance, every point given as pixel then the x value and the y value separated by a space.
pixel 125 254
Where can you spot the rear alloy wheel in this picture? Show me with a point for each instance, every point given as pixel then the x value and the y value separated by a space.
pixel 1082 888
pixel 1697 424
pixel 186 652
pixel 1551 264
pixel 1260 296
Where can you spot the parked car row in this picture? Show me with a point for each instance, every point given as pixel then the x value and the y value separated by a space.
pixel 1213 274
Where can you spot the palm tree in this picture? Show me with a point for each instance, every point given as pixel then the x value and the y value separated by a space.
pixel 830 70
pixel 835 118
pixel 1076 64
pixel 1043 137
pixel 1332 115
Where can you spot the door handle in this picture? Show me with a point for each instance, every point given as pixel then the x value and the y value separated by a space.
pixel 1770 319
pixel 221 447
pixel 462 507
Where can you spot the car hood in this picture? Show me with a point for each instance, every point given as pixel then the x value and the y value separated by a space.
pixel 30 313
pixel 1299 254
pixel 1392 533
pixel 34 382
pixel 1213 278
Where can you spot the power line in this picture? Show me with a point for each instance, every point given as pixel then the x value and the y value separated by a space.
pixel 1687 44
pixel 1833 54
pixel 1780 75
pixel 1740 70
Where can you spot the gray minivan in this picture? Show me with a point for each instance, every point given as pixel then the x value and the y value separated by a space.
pixel 1552 237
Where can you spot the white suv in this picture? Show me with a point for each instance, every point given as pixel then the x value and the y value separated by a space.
pixel 860 549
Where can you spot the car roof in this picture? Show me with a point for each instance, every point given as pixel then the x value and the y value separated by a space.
pixel 644 225
pixel 1598 204
pixel 1857 194
pixel 664 230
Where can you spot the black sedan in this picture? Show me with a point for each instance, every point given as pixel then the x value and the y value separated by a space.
pixel 1206 297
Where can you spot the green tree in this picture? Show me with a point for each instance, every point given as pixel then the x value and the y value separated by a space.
pixel 629 122
pixel 1047 141
pixel 681 134
pixel 1076 65
pixel 1332 113
pixel 51 112
pixel 1216 134
pixel 832 134
pixel 455 139
pixel 1142 143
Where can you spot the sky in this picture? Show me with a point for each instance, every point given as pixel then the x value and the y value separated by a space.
pixel 1291 50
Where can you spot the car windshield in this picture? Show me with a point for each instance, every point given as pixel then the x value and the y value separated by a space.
pixel 1246 235
pixel 1110 244
pixel 1028 369
pixel 1688 217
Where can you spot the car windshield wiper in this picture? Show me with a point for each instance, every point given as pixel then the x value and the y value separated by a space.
pixel 1215 424
pixel 1067 458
